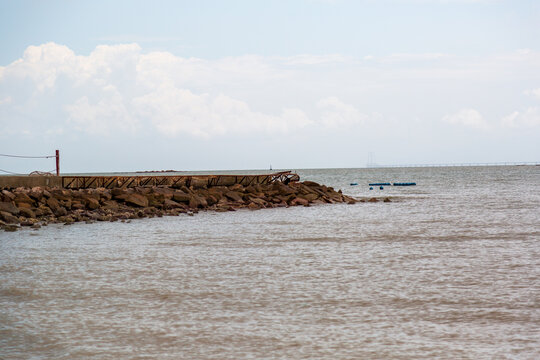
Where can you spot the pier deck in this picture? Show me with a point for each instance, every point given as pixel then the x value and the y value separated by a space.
pixel 110 182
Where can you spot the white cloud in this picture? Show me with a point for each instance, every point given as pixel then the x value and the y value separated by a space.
pixel 6 100
pixel 307 59
pixel 174 111
pixel 467 117
pixel 337 114
pixel 523 119
pixel 533 92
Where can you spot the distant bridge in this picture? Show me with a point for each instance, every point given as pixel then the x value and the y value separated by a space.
pixel 370 166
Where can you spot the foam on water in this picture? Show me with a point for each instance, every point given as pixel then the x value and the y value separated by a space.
pixel 450 269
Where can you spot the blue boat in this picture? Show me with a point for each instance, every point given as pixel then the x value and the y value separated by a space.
pixel 379 184
pixel 405 184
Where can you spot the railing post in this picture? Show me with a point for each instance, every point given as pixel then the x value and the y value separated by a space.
pixel 57 162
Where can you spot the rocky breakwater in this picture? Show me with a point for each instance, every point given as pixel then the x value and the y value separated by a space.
pixel 39 206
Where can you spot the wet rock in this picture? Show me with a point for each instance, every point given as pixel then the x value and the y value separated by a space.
pixel 60 212
pixel 253 206
pixel 10 228
pixel 8 218
pixel 373 200
pixel 197 202
pixel 299 201
pixel 386 200
pixel 309 197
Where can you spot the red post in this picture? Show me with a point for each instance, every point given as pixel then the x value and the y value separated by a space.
pixel 57 163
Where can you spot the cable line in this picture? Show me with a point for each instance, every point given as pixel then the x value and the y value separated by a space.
pixel 28 157
pixel 10 172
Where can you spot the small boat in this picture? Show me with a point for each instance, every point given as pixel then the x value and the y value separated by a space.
pixel 405 184
pixel 380 184
pixel 354 184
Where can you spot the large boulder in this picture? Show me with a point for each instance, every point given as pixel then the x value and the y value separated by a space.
pixel 28 213
pixel 53 204
pixel 299 201
pixel 234 196
pixel 311 183
pixel 7 195
pixel 181 196
pixel 8 217
pixel 91 203
pixel 197 202
pixel 134 199
pixel 171 204
pixel 21 197
pixel 9 207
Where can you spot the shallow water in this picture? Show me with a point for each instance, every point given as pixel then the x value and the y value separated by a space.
pixel 449 269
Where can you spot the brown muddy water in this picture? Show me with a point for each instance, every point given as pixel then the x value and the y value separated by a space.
pixel 449 269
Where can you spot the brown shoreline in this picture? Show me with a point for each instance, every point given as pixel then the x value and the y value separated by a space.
pixel 38 206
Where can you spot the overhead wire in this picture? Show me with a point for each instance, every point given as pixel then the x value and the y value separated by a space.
pixel 29 157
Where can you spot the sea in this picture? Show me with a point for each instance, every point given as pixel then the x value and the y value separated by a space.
pixel 449 269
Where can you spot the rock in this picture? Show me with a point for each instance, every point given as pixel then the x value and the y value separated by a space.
pixel 234 196
pixel 53 204
pixel 181 196
pixel 197 202
pixel 309 197
pixel 9 207
pixel 167 193
pixel 76 205
pixel 155 200
pixel 36 226
pixel 259 202
pixel 110 205
pixel 253 206
pixel 23 198
pixel 299 201
pixel 91 203
pixel 43 210
pixel 311 183
pixel 10 228
pixel 237 187
pixel 386 200
pixel 282 189
pixel 171 204
pixel 8 195
pixel 134 199
pixel 27 213
pixel 60 212
pixel 116 192
pixel 372 200
pixel 8 217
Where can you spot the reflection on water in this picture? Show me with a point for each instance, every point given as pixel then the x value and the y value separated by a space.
pixel 450 269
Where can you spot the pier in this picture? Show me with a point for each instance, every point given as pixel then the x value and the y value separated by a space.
pixel 131 181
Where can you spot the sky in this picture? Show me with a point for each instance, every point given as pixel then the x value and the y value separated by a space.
pixel 218 85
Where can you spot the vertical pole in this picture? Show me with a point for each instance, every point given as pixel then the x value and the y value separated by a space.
pixel 57 163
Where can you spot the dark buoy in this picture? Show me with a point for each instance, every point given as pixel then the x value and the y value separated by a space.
pixel 371 188
pixel 381 188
